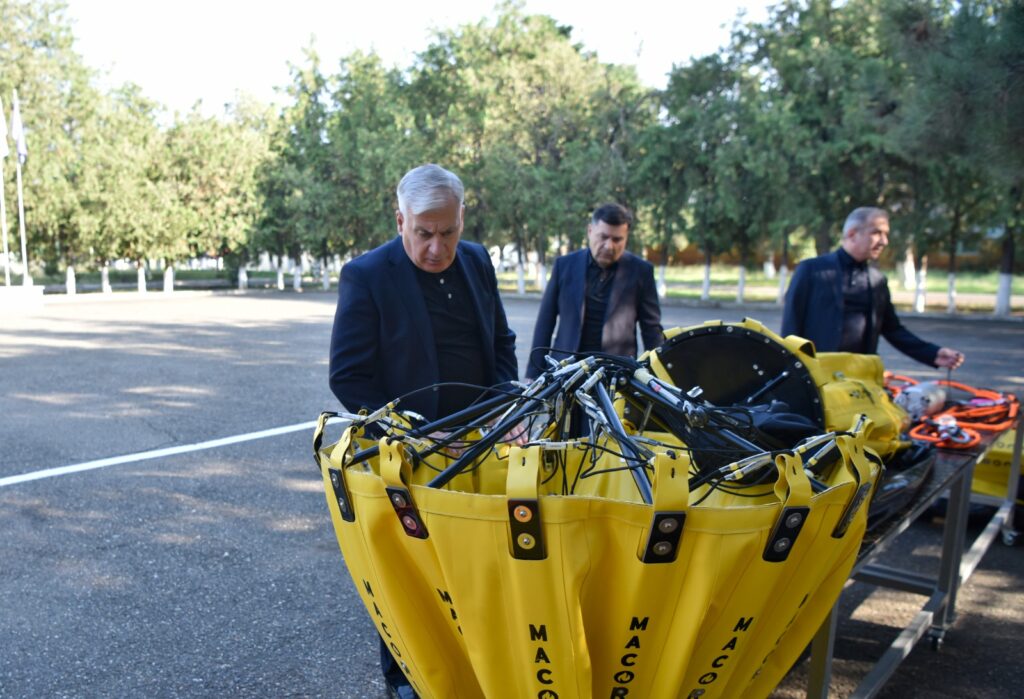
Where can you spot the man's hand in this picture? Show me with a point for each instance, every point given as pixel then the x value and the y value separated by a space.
pixel 454 449
pixel 517 436
pixel 948 358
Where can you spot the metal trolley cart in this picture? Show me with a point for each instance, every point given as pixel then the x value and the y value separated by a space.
pixel 953 473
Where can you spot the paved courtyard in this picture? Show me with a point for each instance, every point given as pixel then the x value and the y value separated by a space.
pixel 181 567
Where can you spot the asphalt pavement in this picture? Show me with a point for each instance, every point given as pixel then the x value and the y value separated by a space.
pixel 214 572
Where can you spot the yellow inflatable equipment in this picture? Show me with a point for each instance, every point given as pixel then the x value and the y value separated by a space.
pixel 670 544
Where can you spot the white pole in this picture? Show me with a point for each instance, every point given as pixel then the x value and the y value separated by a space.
pixel 26 280
pixel 3 223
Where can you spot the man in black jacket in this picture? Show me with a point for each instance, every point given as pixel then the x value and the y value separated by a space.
pixel 842 304
pixel 417 313
pixel 598 296
pixel 420 310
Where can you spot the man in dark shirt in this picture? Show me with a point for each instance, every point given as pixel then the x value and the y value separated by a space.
pixel 842 303
pixel 420 310
pixel 599 296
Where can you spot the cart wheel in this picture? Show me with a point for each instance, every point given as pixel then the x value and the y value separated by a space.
pixel 935 639
pixel 1009 537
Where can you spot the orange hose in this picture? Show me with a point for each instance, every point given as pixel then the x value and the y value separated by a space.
pixel 960 424
pixel 959 437
pixel 895 383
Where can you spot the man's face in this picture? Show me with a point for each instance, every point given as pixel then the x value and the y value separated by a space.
pixel 430 237
pixel 867 241
pixel 607 242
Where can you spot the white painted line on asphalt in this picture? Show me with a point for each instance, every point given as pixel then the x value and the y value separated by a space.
pixel 154 454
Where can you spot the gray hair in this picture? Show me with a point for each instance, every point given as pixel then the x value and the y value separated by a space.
pixel 862 215
pixel 427 188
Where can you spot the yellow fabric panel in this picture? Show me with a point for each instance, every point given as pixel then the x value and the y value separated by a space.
pixel 468 619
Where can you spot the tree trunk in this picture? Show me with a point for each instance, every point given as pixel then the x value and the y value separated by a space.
pixel 69 283
pixel 909 271
pixel 169 278
pixel 105 278
pixel 520 269
pixel 780 297
pixel 742 284
pixel 920 295
pixel 705 291
pixel 1004 294
pixel 243 278
pixel 823 239
pixel 280 273
pixel 954 235
pixel 297 277
pixel 662 286
pixel 140 276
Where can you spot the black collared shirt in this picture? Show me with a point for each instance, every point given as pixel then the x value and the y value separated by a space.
pixel 457 339
pixel 599 286
pixel 856 304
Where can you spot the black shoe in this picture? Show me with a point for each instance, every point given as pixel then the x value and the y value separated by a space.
pixel 402 691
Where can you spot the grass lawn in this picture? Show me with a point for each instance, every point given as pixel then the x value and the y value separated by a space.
pixel 686 283
pixel 728 275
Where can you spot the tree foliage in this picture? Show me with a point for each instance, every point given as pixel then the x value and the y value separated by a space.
pixel 910 104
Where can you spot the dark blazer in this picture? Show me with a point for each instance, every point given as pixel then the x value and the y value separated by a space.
pixel 383 346
pixel 814 310
pixel 633 299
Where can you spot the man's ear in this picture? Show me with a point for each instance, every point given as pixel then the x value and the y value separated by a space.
pixel 399 219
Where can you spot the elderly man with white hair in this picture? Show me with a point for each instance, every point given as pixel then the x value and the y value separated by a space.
pixel 420 310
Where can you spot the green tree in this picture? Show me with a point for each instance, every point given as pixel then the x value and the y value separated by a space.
pixel 126 204
pixel 937 129
pixel 293 182
pixel 827 62
pixel 372 142
pixel 539 129
pixel 56 99
pixel 700 102
pixel 212 165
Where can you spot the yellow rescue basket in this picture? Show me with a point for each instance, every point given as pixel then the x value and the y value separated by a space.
pixel 546 570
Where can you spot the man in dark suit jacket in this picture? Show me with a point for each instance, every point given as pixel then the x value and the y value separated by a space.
pixel 420 310
pixel 598 296
pixel 842 304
